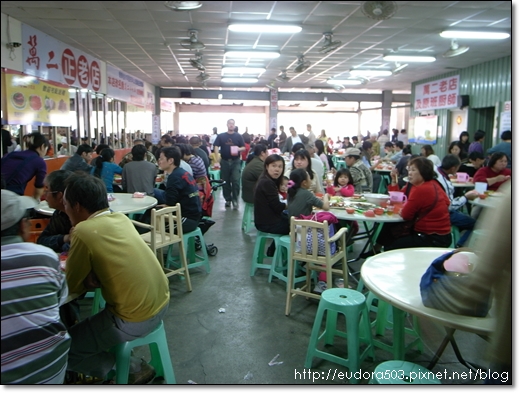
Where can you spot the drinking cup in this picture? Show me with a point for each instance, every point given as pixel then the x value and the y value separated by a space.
pixel 462 177
pixel 390 210
pixel 397 197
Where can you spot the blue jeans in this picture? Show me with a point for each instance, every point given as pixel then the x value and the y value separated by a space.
pixel 463 222
pixel 159 195
pixel 230 173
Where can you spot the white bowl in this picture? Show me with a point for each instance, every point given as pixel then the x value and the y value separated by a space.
pixel 376 199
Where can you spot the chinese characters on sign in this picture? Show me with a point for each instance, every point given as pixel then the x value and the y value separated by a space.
pixel 41 58
pixel 125 87
pixel 274 99
pixel 437 94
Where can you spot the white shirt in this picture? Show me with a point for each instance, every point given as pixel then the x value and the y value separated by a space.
pixel 436 160
pixel 212 139
pixel 295 139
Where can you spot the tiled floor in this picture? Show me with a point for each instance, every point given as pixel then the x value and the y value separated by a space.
pixel 236 346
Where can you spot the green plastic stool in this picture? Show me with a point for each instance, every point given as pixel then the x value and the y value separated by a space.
pixel 161 360
pixel 476 236
pixel 214 174
pixel 98 301
pixel 248 220
pixel 399 372
pixel 384 320
pixel 351 304
pixel 194 260
pixel 340 164
pixel 257 261
pixel 279 264
pixel 455 236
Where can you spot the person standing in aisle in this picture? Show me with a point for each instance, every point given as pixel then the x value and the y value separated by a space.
pixel 230 144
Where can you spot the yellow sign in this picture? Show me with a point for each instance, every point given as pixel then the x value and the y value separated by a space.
pixel 32 101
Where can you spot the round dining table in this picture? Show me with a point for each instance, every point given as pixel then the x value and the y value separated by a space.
pixel 123 203
pixel 394 277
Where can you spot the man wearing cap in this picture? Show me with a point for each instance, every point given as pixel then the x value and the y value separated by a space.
pixel 64 150
pixel 360 173
pixel 107 252
pixel 80 160
pixel 148 155
pixel 35 342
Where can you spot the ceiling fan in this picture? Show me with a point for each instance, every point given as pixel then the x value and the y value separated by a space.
pixel 302 64
pixel 271 86
pixel 193 42
pixel 197 62
pixel 283 77
pixel 183 5
pixel 455 49
pixel 379 10
pixel 329 45
pixel 202 77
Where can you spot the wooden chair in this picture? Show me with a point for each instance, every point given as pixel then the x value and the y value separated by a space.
pixel 313 261
pixel 165 230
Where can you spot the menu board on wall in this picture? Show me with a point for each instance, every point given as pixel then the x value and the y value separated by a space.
pixel 52 60
pixel 442 93
pixel 505 118
pixel 125 87
pixel 424 130
pixel 31 101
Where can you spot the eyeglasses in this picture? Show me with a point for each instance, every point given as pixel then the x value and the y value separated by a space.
pixel 47 191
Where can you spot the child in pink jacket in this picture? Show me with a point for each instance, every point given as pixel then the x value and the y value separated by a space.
pixel 343 184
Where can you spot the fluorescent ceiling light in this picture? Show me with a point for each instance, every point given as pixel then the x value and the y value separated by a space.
pixel 410 59
pixel 242 70
pixel 479 35
pixel 263 28
pixel 360 72
pixel 255 54
pixel 239 80
pixel 400 67
pixel 347 82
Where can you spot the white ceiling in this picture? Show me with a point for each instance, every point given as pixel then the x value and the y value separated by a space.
pixel 142 38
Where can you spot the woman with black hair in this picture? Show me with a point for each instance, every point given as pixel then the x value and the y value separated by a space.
pixel 189 155
pixel 105 169
pixel 269 212
pixel 464 142
pixel 19 167
pixel 302 159
pixel 495 173
pixel 320 152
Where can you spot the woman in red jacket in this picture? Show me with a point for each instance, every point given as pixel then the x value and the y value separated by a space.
pixel 427 208
pixel 495 173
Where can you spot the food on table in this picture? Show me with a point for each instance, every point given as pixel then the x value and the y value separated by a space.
pixel 379 211
pixel 369 213
pixel 362 205
pixel 482 196
pixel 350 210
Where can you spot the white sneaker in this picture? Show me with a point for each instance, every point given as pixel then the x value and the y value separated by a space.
pixel 339 282
pixel 320 287
pixel 235 205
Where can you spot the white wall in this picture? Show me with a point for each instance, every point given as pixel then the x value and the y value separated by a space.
pixel 11 59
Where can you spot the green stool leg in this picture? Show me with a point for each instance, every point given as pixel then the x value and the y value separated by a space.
pixel 257 261
pixel 351 304
pixel 160 361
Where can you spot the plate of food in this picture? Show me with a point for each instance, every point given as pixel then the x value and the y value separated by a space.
pixel 18 100
pixel 362 205
pixel 336 202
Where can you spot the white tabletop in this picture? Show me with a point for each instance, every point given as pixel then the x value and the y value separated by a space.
pixel 124 203
pixel 490 201
pixel 342 214
pixel 394 277
pixel 464 185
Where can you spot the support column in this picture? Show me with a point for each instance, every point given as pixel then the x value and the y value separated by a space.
pixel 386 110
pixel 273 110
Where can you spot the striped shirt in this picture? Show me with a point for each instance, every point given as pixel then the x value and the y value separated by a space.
pixel 35 343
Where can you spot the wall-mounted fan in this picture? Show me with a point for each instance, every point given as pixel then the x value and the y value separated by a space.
pixel 329 45
pixel 283 77
pixel 302 64
pixel 455 49
pixel 197 62
pixel 193 42
pixel 202 77
pixel 379 10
